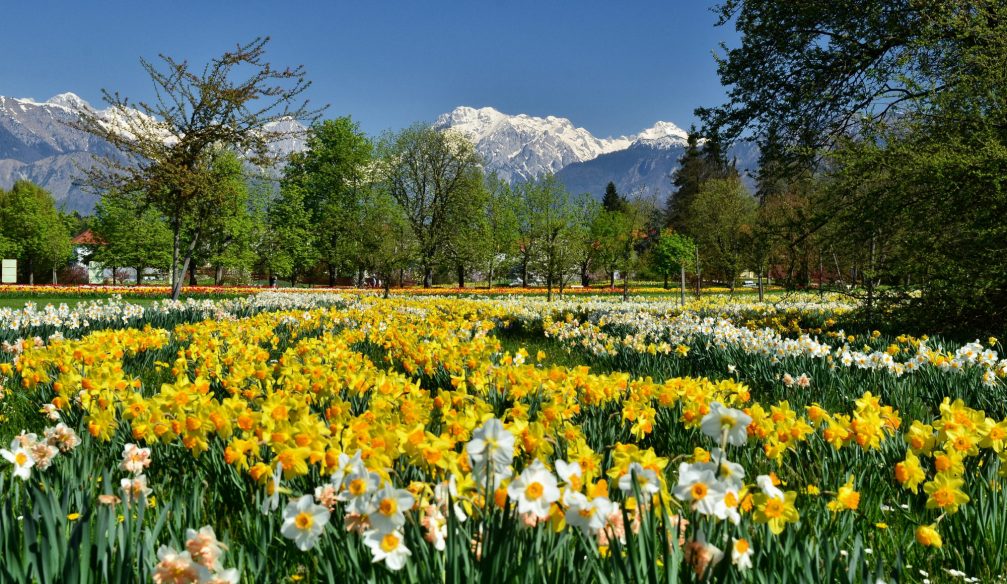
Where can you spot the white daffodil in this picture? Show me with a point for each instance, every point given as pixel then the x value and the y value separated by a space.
pixel 570 474
pixel 304 522
pixel 646 480
pixel 741 554
pixel 722 419
pixel 134 459
pixel 768 488
pixel 176 566
pixel 21 459
pixel 204 547
pixel 730 473
pixel 387 508
pixel 358 488
pixel 346 465
pixel 388 548
pixel 272 501
pixel 698 486
pixel 725 507
pixel 491 444
pixel 589 515
pixel 135 489
pixel 535 490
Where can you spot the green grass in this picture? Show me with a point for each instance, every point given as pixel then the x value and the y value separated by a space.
pixel 41 301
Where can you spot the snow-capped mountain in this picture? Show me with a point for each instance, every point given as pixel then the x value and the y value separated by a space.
pixel 38 143
pixel 521 147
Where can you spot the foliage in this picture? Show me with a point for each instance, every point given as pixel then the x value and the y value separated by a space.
pixel 33 231
pixel 433 176
pixel 722 217
pixel 131 236
pixel 166 150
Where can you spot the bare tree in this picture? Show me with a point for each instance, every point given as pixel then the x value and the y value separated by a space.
pixel 166 146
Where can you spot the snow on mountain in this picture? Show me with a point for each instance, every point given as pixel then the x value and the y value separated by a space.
pixel 38 143
pixel 662 135
pixel 520 147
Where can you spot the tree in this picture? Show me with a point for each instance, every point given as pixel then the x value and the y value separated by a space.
pixel 32 228
pixel 387 245
pixel 899 108
pixel 333 174
pixel 133 237
pixel 673 253
pixel 431 175
pixel 289 247
pixel 613 201
pixel 687 178
pixel 631 234
pixel 723 216
pixel 501 226
pixel 166 147
pixel 553 230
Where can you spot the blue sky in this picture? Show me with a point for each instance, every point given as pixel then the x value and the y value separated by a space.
pixel 612 67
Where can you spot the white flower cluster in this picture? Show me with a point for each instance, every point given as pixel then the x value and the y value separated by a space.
pixel 27 451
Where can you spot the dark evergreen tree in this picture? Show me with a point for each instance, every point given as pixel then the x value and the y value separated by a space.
pixel 613 201
pixel 687 179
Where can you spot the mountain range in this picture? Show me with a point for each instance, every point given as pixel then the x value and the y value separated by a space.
pixel 37 143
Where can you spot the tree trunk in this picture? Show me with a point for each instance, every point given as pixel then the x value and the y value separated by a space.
pixel 681 289
pixel 428 274
pixel 402 278
pixel 192 274
pixel 585 276
pixel 176 289
pixel 461 275
pixel 625 286
pixel 218 276
pixel 699 275
pixel 139 276
pixel 176 244
pixel 761 290
pixel 524 272
pixel 114 270
pixel 332 276
pixel 386 282
pixel 489 277
pixel 548 287
pixel 611 279
pixel 666 280
pixel 31 272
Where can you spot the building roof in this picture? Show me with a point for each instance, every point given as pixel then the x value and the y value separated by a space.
pixel 87 237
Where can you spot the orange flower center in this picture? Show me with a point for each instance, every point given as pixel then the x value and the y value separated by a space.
pixel 774 508
pixel 698 491
pixel 388 506
pixel 534 490
pixel 304 520
pixel 389 543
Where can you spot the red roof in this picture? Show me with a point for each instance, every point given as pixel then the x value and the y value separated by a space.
pixel 87 238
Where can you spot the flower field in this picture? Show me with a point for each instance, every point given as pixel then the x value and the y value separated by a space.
pixel 331 437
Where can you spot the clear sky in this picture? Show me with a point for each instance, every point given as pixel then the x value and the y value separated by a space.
pixel 614 67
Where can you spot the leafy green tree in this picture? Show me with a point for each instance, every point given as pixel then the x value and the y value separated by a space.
pixel 132 236
pixel 333 174
pixel 723 216
pixel 288 248
pixel 672 254
pixel 32 228
pixel 227 242
pixel 630 241
pixel 432 175
pixel 501 226
pixel 554 231
pixel 166 150
pixel 387 243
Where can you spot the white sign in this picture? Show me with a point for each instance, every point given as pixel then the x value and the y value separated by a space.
pixel 8 272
